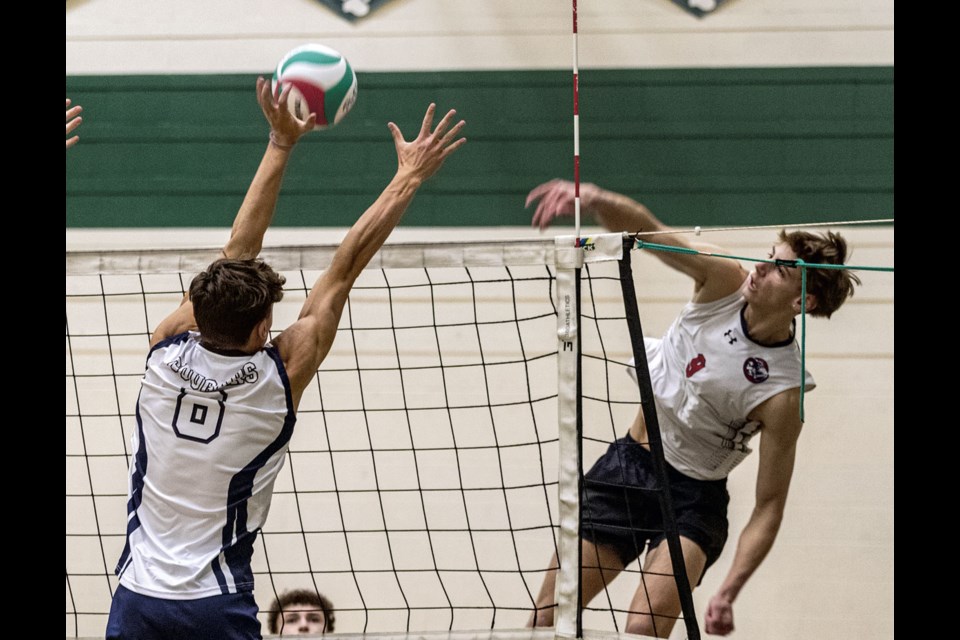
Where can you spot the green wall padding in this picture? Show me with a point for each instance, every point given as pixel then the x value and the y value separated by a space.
pixel 698 146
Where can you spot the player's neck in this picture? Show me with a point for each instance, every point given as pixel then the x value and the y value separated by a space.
pixel 768 329
pixel 226 351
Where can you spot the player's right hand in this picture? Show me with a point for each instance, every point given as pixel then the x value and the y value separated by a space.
pixel 285 128
pixel 556 198
pixel 719 616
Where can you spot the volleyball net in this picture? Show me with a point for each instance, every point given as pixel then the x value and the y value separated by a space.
pixel 437 461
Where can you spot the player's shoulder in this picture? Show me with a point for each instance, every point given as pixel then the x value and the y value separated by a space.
pixel 294 335
pixel 299 341
pixel 173 341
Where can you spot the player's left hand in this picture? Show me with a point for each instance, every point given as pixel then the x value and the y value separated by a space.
pixel 285 128
pixel 73 121
pixel 719 616
pixel 423 156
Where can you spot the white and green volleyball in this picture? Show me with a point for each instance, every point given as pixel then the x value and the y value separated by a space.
pixel 322 82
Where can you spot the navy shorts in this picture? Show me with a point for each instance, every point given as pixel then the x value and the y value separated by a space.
pixel 137 617
pixel 621 507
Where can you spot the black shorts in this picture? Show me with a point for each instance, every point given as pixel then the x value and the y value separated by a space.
pixel 621 505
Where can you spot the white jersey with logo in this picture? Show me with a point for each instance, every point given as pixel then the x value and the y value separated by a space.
pixel 707 377
pixel 212 432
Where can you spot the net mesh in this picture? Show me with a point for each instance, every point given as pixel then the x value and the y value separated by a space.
pixel 419 491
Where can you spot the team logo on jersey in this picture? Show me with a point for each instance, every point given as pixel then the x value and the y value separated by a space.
pixel 696 364
pixel 756 370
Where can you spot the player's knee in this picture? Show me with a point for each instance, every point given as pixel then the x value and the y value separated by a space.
pixel 647 625
pixel 541 618
pixel 639 625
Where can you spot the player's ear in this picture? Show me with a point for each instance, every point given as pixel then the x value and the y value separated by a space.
pixel 263 330
pixel 811 303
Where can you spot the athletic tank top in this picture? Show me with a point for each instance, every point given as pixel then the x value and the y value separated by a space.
pixel 211 436
pixel 707 377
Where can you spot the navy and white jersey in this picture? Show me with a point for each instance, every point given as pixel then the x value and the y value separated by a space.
pixel 708 376
pixel 212 433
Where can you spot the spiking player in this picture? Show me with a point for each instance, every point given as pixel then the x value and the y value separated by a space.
pixel 73 121
pixel 218 401
pixel 727 369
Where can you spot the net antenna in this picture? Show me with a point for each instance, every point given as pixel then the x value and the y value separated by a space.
pixel 576 125
pixel 436 463
pixel 569 622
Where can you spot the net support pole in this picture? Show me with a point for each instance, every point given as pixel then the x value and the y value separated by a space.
pixel 571 254
pixel 648 406
pixel 569 263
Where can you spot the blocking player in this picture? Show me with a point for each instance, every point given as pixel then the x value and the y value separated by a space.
pixel 218 401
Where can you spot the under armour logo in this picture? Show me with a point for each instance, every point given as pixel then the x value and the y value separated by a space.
pixel 728 336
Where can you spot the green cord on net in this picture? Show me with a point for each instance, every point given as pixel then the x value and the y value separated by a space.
pixel 696 252
pixel 803 332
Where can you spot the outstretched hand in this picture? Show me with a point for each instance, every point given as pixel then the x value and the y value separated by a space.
pixel 423 156
pixel 73 121
pixel 285 128
pixel 556 199
pixel 719 616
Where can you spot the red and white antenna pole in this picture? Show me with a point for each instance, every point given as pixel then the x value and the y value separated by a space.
pixel 576 126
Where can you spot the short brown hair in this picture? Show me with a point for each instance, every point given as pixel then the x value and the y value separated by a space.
pixel 301 596
pixel 830 287
pixel 232 296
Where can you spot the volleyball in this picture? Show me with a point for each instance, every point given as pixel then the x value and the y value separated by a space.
pixel 321 80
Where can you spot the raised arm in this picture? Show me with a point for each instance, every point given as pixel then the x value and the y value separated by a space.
pixel 73 121
pixel 304 344
pixel 256 211
pixel 713 278
pixel 778 447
